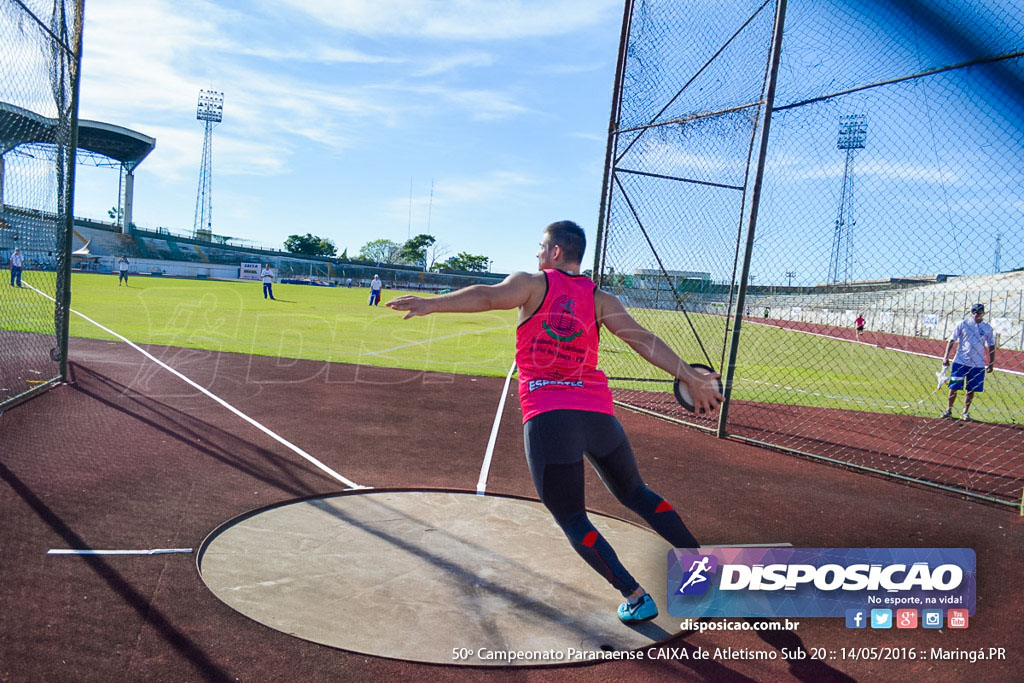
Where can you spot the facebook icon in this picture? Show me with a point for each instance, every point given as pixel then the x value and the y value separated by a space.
pixel 856 618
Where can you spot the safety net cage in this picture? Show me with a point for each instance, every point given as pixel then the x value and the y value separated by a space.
pixel 38 103
pixel 809 197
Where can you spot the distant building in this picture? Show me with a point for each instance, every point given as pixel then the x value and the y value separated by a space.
pixel 678 280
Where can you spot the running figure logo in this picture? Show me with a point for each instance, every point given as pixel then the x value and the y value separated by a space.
pixel 563 320
pixel 696 582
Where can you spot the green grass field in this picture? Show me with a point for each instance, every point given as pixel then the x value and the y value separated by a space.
pixel 335 324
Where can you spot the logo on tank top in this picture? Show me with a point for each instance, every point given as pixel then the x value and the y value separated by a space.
pixel 563 325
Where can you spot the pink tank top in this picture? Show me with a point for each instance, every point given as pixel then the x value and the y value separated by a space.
pixel 556 351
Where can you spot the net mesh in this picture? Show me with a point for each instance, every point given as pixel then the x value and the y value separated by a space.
pixel 36 163
pixel 891 192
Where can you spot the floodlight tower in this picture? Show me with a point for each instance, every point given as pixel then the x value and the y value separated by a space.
pixel 999 251
pixel 211 112
pixel 853 133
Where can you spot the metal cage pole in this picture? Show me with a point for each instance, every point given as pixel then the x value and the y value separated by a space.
pixel 604 212
pixel 755 199
pixel 64 293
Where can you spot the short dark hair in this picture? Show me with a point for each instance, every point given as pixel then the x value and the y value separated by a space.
pixel 570 237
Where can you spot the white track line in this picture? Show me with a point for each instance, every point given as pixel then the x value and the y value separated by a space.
pixel 352 485
pixel 876 346
pixel 481 484
pixel 152 551
pixel 428 341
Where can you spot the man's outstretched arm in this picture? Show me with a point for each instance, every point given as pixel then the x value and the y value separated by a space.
pixel 513 292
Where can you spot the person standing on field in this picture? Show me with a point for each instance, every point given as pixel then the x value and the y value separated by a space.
pixel 17 263
pixel 122 270
pixel 375 287
pixel 972 336
pixel 268 282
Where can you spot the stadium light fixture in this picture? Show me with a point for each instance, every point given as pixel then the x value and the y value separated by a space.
pixel 853 131
pixel 211 106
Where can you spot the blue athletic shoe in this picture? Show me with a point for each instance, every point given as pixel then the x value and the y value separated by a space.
pixel 642 611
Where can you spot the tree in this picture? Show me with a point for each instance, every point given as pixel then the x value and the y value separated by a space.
pixel 381 251
pixel 415 249
pixel 309 245
pixel 472 263
pixel 436 254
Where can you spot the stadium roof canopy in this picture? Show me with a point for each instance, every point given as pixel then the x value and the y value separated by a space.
pixel 20 127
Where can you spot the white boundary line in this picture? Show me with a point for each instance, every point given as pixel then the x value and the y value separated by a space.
pixel 481 484
pixel 876 346
pixel 351 484
pixel 427 341
pixel 152 551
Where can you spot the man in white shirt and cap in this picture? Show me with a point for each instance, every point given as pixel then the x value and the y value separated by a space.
pixel 375 286
pixel 268 282
pixel 122 270
pixel 972 336
pixel 17 262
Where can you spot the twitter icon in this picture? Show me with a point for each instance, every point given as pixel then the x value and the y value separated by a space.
pixel 881 618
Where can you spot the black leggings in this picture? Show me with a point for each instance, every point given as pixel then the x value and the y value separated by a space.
pixel 556 442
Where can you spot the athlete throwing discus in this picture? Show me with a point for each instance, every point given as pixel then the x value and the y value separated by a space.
pixel 567 405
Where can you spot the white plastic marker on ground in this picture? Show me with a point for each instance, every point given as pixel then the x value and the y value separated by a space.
pixel 481 484
pixel 90 551
pixel 350 484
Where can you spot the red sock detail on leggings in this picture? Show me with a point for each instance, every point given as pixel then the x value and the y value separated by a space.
pixel 663 506
pixel 590 539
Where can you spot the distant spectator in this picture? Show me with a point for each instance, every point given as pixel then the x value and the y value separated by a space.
pixel 375 290
pixel 766 312
pixel 349 282
pixel 122 270
pixel 859 322
pixel 268 282
pixel 17 263
pixel 972 337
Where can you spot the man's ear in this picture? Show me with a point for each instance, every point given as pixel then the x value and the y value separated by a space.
pixel 556 252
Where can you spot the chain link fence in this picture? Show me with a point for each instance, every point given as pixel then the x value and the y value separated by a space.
pixel 39 44
pixel 759 201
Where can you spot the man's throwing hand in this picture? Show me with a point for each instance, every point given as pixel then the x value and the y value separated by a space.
pixel 414 305
pixel 703 389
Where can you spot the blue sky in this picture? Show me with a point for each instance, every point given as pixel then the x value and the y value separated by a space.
pixel 333 107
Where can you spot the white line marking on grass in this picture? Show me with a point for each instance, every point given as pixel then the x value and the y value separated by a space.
pixel 352 485
pixel 151 551
pixel 481 484
pixel 876 346
pixel 427 341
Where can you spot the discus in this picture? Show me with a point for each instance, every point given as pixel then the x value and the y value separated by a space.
pixel 683 394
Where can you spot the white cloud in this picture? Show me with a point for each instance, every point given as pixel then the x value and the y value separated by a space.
pixel 323 54
pixel 886 169
pixel 453 192
pixel 444 64
pixel 482 105
pixel 149 78
pixel 181 150
pixel 468 20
